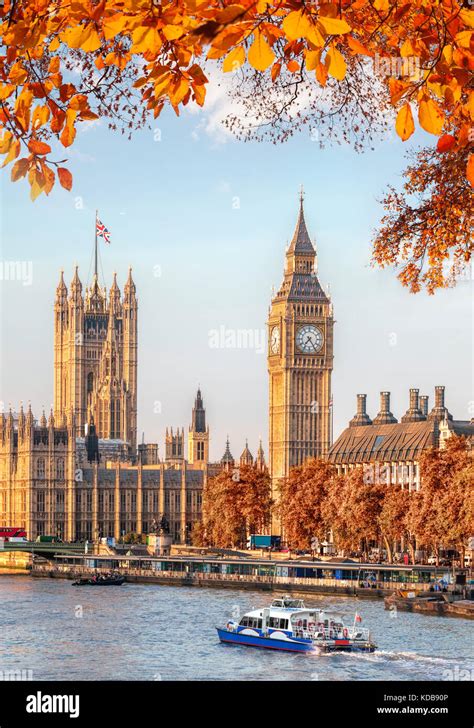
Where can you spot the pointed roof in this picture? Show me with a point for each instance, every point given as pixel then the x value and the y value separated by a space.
pixel 130 284
pixel 301 242
pixel 246 456
pixel 61 290
pixel 227 457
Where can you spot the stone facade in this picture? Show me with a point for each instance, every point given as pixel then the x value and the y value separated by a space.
pixel 389 451
pixel 300 361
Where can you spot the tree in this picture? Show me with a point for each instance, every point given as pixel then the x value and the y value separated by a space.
pixel 302 495
pixel 392 517
pixel 441 513
pixel 337 65
pixel 235 504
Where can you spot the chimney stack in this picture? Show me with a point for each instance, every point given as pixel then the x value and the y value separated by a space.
pixel 439 411
pixel 424 399
pixel 384 417
pixel 361 417
pixel 413 413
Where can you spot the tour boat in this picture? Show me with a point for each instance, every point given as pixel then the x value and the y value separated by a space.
pixel 288 625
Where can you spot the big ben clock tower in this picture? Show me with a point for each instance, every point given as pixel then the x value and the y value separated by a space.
pixel 300 361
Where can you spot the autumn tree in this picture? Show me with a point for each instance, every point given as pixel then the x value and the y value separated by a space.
pixel 341 67
pixel 392 517
pixel 441 513
pixel 235 503
pixel 300 505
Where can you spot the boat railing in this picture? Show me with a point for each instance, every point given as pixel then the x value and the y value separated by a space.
pixel 356 633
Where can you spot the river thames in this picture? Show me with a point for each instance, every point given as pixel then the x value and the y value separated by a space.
pixel 148 632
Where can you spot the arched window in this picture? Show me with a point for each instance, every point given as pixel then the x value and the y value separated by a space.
pixel 90 382
pixel 60 469
pixel 40 468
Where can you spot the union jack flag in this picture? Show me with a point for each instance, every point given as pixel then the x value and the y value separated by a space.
pixel 102 231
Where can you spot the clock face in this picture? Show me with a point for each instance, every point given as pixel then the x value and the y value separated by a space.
pixel 309 339
pixel 275 340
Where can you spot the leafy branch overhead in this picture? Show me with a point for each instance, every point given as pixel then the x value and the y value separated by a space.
pixel 67 63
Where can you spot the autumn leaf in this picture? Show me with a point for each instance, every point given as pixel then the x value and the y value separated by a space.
pixel 335 63
pixel 470 170
pixel 234 59
pixel 260 55
pixel 446 142
pixel 65 178
pixel 297 25
pixel 19 169
pixel 405 125
pixel 84 37
pixel 430 116
pixel 334 26
pixel 37 147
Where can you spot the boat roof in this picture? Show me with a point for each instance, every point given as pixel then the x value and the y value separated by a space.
pixel 286 612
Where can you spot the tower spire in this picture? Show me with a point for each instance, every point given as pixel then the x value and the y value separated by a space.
pixel 95 248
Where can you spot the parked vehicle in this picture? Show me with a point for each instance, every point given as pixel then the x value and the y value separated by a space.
pixel 48 539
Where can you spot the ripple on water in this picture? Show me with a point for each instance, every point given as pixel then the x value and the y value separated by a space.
pixel 152 632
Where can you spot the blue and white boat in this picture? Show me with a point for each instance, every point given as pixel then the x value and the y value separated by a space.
pixel 288 625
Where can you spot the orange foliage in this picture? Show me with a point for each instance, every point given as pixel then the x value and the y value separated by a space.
pixel 64 64
pixel 235 504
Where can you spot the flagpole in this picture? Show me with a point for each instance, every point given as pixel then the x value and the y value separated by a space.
pixel 95 255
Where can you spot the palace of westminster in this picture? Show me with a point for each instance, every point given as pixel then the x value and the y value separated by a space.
pixel 79 474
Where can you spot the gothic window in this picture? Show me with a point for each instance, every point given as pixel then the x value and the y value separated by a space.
pixel 90 382
pixel 200 451
pixel 40 501
pixel 60 469
pixel 40 468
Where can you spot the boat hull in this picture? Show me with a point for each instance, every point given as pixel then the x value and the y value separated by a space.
pixel 290 644
pixel 249 640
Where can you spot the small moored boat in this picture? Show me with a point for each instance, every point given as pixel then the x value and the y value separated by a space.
pixel 288 625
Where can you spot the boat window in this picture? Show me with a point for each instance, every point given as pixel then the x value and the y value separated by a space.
pixel 244 622
pixel 277 623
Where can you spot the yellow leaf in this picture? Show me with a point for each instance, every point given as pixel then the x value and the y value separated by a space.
pixel 13 153
pixel 6 90
pixel 381 5
pixel 234 59
pixel 336 64
pixel 312 59
pixel 334 26
pixel 467 16
pixel 296 25
pixel 430 116
pixel 260 55
pixel 83 36
pixel 171 32
pixel 6 141
pixel 405 125
pixel 115 25
pixel 463 39
pixel 40 116
pixel 145 39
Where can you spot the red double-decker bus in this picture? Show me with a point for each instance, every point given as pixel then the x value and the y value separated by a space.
pixel 7 532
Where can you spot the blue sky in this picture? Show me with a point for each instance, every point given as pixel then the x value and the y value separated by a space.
pixel 204 220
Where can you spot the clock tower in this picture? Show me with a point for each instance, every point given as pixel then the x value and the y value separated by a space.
pixel 300 361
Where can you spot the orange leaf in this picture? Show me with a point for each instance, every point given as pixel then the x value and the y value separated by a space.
pixel 19 169
pixel 37 147
pixel 65 178
pixel 405 125
pixel 445 143
pixel 234 59
pixel 470 169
